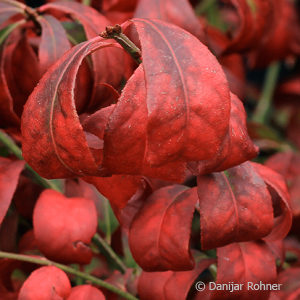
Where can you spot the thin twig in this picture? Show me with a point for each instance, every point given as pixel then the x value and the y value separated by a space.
pixel 99 241
pixel 263 107
pixel 115 32
pixel 90 278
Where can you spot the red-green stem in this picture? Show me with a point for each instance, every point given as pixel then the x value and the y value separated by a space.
pixel 45 262
pixel 115 32
pixel 98 240
pixel 261 113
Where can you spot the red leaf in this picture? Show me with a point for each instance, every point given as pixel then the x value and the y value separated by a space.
pixel 170 285
pixel 282 39
pixel 8 9
pixel 140 119
pixel 237 148
pixel 185 84
pixel 282 222
pixel 235 206
pixel 92 21
pixel 118 189
pixel 151 285
pixel 94 126
pixel 289 280
pixel 9 177
pixel 255 17
pixel 179 284
pixel 21 75
pixel 179 13
pixel 63 226
pixel 160 232
pixel 126 195
pixel 288 165
pixel 245 263
pixel 46 283
pixel 50 117
pixel 85 292
pixel 54 42
pixel 7 115
pixel 107 64
pixel 129 119
pixel 119 5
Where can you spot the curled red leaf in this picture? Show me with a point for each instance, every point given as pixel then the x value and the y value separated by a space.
pixel 129 119
pixel 54 41
pixel 21 75
pixel 179 100
pixel 107 64
pixel 50 117
pixel 235 206
pixel 287 164
pixel 282 208
pixel 254 19
pixel 160 232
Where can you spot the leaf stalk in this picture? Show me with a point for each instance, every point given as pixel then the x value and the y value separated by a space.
pixel 115 32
